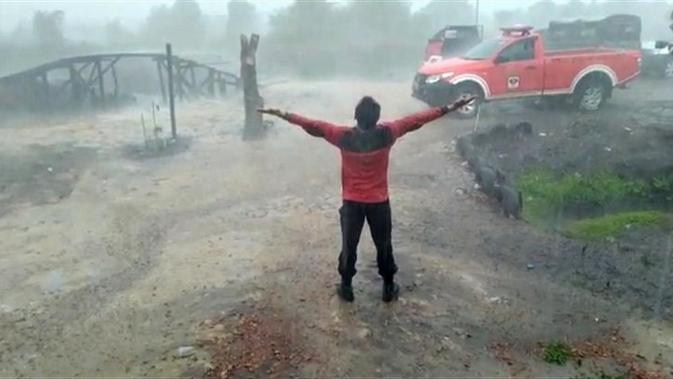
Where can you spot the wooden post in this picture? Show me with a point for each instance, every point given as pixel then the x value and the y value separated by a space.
pixel 45 87
pixel 115 93
pixel 251 98
pixel 211 83
pixel 76 87
pixel 160 70
pixel 101 85
pixel 179 80
pixel 195 85
pixel 171 95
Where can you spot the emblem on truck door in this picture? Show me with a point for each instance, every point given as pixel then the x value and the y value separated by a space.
pixel 513 82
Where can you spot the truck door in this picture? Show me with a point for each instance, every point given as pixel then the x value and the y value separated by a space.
pixel 518 71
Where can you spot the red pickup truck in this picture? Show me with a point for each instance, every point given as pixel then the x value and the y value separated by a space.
pixel 516 65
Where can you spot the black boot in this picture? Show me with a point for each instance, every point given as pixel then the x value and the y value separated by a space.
pixel 390 291
pixel 345 292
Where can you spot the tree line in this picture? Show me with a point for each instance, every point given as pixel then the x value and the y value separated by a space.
pixel 310 38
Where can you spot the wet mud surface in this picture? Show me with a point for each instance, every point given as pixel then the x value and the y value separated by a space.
pixel 631 140
pixel 228 250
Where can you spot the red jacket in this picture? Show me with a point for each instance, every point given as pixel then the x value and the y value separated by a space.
pixel 365 153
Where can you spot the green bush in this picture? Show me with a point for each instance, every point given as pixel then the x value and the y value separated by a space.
pixel 575 189
pixel 663 184
pixel 614 225
pixel 557 352
pixel 547 194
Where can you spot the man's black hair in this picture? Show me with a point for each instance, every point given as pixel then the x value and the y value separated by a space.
pixel 367 112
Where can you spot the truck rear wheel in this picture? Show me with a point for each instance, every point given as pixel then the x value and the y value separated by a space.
pixel 468 90
pixel 591 93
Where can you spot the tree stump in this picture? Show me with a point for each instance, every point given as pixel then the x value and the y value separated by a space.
pixel 254 126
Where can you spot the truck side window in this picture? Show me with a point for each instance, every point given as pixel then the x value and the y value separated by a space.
pixel 518 51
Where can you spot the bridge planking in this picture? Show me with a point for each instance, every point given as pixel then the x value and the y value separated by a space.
pixel 32 90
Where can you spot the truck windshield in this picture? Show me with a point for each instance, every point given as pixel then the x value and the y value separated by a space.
pixel 484 50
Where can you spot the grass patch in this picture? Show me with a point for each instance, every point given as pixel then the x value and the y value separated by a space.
pixel 547 194
pixel 614 225
pixel 557 353
pixel 578 190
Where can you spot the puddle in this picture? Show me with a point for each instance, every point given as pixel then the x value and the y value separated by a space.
pixel 53 282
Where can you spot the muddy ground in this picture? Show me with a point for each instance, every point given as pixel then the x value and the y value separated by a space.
pixel 636 143
pixel 112 260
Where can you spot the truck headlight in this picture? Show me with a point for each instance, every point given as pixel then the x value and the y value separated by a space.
pixel 435 78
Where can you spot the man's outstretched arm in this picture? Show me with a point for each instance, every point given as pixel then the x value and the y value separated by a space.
pixel 415 121
pixel 313 127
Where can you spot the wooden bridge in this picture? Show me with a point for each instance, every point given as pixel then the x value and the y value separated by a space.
pixel 85 83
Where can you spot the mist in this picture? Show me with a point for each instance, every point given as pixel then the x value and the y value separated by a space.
pixel 299 38
pixel 326 189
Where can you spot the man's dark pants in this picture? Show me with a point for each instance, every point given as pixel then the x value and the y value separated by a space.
pixel 353 215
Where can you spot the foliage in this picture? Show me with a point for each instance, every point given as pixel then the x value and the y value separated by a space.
pixel 598 190
pixel 182 24
pixel 615 224
pixel 241 18
pixel 557 352
pixel 361 37
pixel 663 184
pixel 547 195
pixel 315 38
pixel 48 29
pixel 439 13
pixel 116 35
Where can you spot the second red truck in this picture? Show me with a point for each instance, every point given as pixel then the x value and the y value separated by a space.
pixel 516 65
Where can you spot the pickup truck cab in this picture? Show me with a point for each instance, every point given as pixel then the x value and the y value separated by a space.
pixel 516 65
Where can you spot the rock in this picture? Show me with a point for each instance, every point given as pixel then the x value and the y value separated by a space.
pixel 494 299
pixel 364 333
pixel 511 201
pixel 185 351
pixel 50 169
pixel 485 176
pixel 461 333
pixel 523 129
pixel 218 328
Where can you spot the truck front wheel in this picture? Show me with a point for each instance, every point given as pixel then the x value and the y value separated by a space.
pixel 468 90
pixel 590 94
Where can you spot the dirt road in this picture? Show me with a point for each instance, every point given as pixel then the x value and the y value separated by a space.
pixel 112 260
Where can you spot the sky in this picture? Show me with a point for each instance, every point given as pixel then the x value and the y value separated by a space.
pixel 130 12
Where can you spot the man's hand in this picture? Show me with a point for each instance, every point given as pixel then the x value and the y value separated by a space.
pixel 461 103
pixel 273 112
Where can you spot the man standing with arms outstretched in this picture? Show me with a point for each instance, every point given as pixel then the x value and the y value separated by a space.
pixel 365 151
